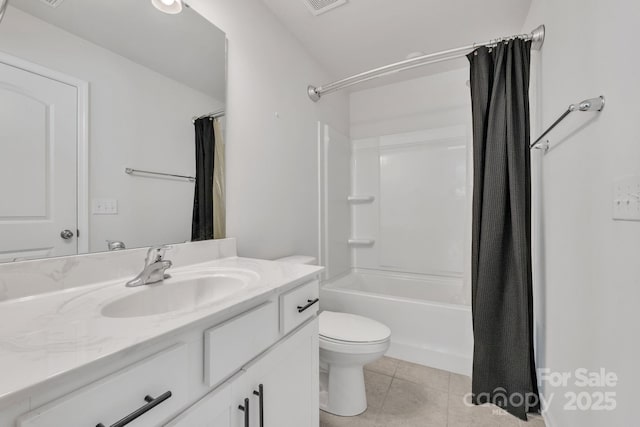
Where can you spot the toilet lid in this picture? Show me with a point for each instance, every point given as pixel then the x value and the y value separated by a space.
pixel 352 328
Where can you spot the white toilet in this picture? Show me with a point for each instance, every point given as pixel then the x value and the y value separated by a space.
pixel 347 343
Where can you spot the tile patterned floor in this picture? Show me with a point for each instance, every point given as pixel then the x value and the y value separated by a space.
pixel 402 394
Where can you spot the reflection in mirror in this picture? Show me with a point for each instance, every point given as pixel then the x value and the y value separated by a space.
pixel 111 127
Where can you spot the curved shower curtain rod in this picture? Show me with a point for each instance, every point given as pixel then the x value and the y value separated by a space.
pixel 315 93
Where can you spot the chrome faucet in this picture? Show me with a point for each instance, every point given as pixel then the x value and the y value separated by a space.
pixel 154 268
pixel 115 245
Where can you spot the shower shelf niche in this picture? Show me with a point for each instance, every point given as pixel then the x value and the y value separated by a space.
pixel 361 242
pixel 360 199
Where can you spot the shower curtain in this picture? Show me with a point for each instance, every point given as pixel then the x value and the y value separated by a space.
pixel 503 360
pixel 219 203
pixel 208 201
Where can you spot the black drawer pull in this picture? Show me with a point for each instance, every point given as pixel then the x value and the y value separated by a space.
pixel 310 303
pixel 260 393
pixel 245 409
pixel 151 403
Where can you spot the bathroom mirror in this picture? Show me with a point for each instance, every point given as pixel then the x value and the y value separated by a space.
pixel 102 105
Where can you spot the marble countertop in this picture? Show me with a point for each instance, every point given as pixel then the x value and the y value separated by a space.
pixel 48 335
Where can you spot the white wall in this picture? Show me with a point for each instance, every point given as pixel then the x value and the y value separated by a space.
pixel 137 118
pixel 410 140
pixel 272 155
pixel 591 278
pixel 335 212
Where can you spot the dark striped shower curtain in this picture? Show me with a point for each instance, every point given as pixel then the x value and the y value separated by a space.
pixel 503 359
pixel 203 209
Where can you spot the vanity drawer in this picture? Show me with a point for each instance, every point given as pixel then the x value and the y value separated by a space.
pixel 298 305
pixel 162 376
pixel 229 346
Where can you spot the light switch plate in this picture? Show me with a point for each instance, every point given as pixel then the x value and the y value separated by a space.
pixel 104 207
pixel 626 199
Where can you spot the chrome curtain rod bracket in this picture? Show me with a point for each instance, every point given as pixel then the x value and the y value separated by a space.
pixel 130 171
pixel 593 104
pixel 316 92
pixel 313 93
pixel 213 115
pixel 537 37
pixel 542 145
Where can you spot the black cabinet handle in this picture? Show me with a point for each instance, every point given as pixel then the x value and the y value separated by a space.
pixel 310 303
pixel 260 393
pixel 245 409
pixel 151 403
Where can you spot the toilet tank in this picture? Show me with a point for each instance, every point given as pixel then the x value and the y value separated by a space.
pixel 298 259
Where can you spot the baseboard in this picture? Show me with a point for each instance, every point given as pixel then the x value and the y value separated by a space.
pixel 430 357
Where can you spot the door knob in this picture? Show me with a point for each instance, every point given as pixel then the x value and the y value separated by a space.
pixel 66 234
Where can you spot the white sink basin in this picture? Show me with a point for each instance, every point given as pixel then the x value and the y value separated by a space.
pixel 183 292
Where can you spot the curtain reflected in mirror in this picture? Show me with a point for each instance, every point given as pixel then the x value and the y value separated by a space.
pixel 208 201
pixel 219 202
pixel 97 148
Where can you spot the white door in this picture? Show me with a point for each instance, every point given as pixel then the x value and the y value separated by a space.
pixel 38 156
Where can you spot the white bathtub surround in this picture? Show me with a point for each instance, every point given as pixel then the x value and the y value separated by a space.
pixel 409 224
pixel 411 145
pixel 429 322
pixel 61 329
pixel 417 217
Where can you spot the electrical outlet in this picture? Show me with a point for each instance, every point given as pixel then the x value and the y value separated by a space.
pixel 626 199
pixel 104 207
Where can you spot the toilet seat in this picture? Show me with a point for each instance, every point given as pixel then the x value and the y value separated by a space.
pixel 353 343
pixel 353 348
pixel 351 329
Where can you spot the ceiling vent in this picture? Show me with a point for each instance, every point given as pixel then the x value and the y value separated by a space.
pixel 52 3
pixel 318 7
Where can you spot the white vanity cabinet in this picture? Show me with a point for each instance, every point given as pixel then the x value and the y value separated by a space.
pixel 277 389
pixel 281 387
pixel 266 354
pixel 232 344
pixel 105 402
pixel 213 410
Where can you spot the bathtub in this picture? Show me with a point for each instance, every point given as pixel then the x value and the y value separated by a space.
pixel 429 320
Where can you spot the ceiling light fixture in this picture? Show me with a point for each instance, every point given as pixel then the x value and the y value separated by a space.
pixel 168 6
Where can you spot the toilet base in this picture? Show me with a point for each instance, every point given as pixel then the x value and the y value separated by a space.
pixel 348 396
pixel 348 343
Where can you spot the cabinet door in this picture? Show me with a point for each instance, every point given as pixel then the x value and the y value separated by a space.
pixel 243 402
pixel 289 378
pixel 213 410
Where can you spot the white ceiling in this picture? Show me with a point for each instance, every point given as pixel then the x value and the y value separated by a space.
pixel 185 47
pixel 365 34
